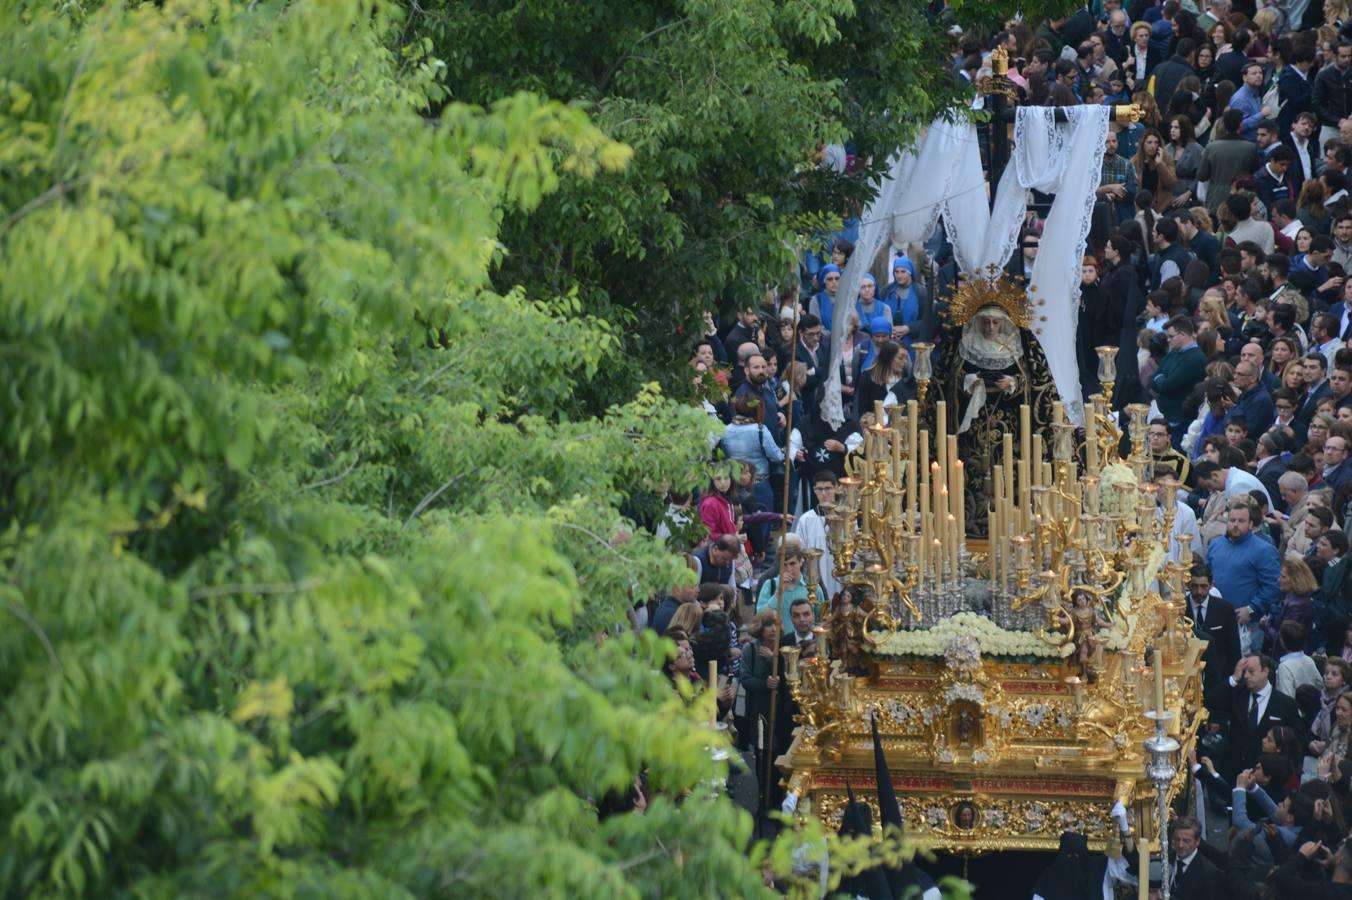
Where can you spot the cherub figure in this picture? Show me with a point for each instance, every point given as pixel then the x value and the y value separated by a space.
pixel 1085 619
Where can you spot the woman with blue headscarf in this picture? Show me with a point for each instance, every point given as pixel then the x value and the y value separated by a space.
pixel 912 310
pixel 868 305
pixel 823 304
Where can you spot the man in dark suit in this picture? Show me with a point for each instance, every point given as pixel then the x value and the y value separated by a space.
pixel 1194 876
pixel 1213 621
pixel 1256 707
pixel 1317 387
pixel 1294 88
pixel 1270 467
pixel 812 351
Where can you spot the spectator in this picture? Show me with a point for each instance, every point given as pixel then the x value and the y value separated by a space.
pixel 1246 570
pixel 1182 368
pixel 1227 156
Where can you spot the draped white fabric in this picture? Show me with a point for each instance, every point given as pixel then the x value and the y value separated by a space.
pixel 942 174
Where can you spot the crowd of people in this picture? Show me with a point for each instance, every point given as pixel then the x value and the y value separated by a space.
pixel 1218 263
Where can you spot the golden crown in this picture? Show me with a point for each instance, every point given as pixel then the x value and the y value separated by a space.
pixel 990 288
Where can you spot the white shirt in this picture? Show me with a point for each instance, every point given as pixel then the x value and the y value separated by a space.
pixel 1295 670
pixel 1185 522
pixel 1263 697
pixel 1239 483
pixel 1292 228
pixel 1329 348
pixel 811 528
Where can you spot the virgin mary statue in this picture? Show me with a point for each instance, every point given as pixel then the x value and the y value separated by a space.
pixel 996 366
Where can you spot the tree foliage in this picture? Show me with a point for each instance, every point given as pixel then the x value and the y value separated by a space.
pixel 298 540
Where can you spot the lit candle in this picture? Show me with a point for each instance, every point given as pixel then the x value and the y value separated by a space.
pixel 938 557
pixel 941 437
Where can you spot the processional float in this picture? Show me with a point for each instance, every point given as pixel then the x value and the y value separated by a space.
pixel 1024 681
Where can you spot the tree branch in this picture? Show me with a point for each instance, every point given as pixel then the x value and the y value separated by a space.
pixel 600 540
pixel 328 481
pixel 25 617
pixel 224 590
pixel 430 499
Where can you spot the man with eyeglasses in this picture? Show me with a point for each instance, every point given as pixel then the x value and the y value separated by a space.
pixel 811 527
pixel 1164 458
pixel 1181 370
pixel 1254 404
pixel 813 354
pixel 1337 466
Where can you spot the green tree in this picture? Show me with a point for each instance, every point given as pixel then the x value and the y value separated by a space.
pixel 297 540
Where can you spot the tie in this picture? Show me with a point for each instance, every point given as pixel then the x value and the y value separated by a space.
pixel 1197 619
pixel 1253 710
pixel 1179 869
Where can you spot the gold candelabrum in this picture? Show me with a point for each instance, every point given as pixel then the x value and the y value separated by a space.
pixel 1076 555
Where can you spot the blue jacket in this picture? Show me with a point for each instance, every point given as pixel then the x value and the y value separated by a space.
pixel 1255 405
pixel 753 443
pixel 1246 572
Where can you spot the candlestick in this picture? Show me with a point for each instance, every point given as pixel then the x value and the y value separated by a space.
pixel 960 498
pixel 713 689
pixel 1025 431
pixel 895 434
pixel 1076 691
pixel 912 438
pixel 1091 438
pixel 953 545
pixel 1159 681
pixel 1007 446
pixel 924 518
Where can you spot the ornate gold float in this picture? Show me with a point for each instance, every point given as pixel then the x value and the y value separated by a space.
pixel 1012 676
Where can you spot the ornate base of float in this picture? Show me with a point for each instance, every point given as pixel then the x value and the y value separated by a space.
pixel 988 754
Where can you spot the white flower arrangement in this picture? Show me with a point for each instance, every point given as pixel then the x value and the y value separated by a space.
pixel 946 756
pixel 1035 714
pixel 1034 816
pixel 900 712
pixel 980 756
pixel 964 637
pixel 936 816
pixel 963 653
pixel 995 818
pixel 989 638
pixel 965 692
